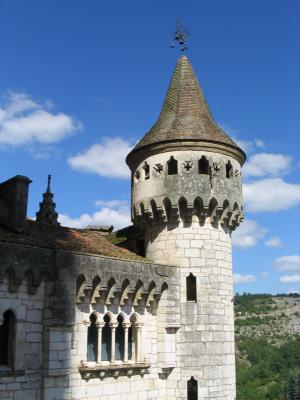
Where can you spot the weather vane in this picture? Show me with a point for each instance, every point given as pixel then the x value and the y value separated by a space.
pixel 181 36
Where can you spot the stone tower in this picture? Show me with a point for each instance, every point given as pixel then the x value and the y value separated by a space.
pixel 187 195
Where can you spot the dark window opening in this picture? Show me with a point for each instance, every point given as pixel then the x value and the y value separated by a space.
pixel 229 170
pixel 192 389
pixel 7 339
pixel 203 166
pixel 92 340
pixel 191 288
pixel 147 170
pixel 130 343
pixel 120 338
pixel 172 166
pixel 106 340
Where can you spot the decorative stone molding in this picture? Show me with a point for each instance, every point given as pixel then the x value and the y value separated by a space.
pixel 113 370
pixel 164 211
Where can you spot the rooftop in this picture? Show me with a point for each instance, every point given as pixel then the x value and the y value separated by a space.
pixel 185 115
pixel 62 238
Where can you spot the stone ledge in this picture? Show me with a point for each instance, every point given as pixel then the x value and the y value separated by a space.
pixel 115 370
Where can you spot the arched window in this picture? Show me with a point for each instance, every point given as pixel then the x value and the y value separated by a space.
pixel 192 389
pixel 229 170
pixel 106 340
pixel 7 339
pixel 146 170
pixel 172 166
pixel 92 340
pixel 191 288
pixel 120 339
pixel 203 166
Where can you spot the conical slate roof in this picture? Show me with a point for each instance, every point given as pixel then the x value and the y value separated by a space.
pixel 185 115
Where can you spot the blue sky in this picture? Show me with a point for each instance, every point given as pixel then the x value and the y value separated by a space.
pixel 82 81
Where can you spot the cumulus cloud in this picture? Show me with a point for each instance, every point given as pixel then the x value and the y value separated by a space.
pixel 270 194
pixel 114 212
pixel 290 278
pixel 238 278
pixel 25 121
pixel 266 164
pixel 287 263
pixel 248 234
pixel 106 158
pixel 274 242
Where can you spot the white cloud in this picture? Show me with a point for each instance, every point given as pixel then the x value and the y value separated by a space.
pixel 259 143
pixel 274 242
pixel 293 290
pixel 272 194
pixel 238 278
pixel 267 164
pixel 290 278
pixel 114 212
pixel 264 275
pixel 23 121
pixel 287 263
pixel 248 234
pixel 105 159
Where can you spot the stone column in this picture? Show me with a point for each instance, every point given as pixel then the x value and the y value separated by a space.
pixel 99 325
pixel 126 326
pixel 113 326
pixel 138 355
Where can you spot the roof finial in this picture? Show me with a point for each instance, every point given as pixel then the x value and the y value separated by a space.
pixel 181 35
pixel 48 186
pixel 47 214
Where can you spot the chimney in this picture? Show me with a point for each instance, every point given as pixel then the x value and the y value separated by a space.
pixel 13 202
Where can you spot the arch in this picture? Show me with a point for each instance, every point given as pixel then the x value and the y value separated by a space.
pixel 124 292
pixel 92 339
pixel 213 204
pixel 120 338
pixel 203 166
pixel 191 288
pixel 168 208
pixel 138 293
pixel 192 389
pixel 229 170
pixel 31 282
pixel 111 285
pixel 172 166
pixel 133 337
pixel 12 279
pixel 8 339
pixel 106 338
pixel 151 293
pixel 95 289
pixel 182 204
pixel 80 286
pixel 154 210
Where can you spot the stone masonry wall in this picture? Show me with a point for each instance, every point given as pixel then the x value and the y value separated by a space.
pixel 205 340
pixel 23 382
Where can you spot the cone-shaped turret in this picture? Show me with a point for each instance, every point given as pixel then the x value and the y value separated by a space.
pixel 185 119
pixel 47 214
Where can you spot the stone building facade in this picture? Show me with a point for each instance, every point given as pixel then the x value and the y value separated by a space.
pixel 142 313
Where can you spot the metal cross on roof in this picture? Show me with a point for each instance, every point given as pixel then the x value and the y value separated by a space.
pixel 181 36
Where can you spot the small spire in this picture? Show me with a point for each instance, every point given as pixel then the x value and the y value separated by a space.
pixel 48 186
pixel 47 214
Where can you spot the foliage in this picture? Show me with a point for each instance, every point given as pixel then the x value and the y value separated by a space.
pixel 264 371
